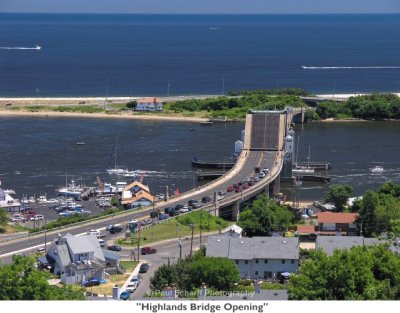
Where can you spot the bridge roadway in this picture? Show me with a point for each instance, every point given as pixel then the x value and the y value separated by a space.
pixel 243 168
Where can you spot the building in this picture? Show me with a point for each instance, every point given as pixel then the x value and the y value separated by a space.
pixel 136 194
pixel 8 202
pixel 257 257
pixel 233 231
pixel 330 223
pixel 331 243
pixel 149 104
pixel 79 258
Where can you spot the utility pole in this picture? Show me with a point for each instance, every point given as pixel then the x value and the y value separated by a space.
pixel 45 237
pixel 201 225
pixel 168 85
pixel 138 242
pixel 169 258
pixel 191 240
pixel 153 213
pixel 180 248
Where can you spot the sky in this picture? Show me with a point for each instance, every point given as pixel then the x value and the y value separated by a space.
pixel 202 6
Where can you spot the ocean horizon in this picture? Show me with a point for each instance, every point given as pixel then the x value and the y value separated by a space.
pixel 94 54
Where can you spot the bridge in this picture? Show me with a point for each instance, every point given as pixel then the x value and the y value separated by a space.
pixel 264 147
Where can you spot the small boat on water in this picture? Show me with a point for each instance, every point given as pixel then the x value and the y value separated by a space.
pixel 81 143
pixel 377 169
pixel 303 170
pixel 206 123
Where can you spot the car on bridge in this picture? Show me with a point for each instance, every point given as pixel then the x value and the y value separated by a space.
pixel 229 189
pixel 205 199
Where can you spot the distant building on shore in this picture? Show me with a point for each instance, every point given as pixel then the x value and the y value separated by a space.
pixel 149 104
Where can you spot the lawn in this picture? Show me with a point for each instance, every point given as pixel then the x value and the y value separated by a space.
pixel 178 227
pixel 106 289
pixel 129 266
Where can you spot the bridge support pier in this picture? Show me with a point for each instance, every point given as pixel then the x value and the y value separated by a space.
pixel 166 197
pixel 236 211
pixel 276 186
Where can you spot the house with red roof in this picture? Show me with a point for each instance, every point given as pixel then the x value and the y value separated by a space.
pixel 330 223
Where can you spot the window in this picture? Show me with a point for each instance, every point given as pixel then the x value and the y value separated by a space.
pixel 265 261
pixel 292 261
pixel 256 272
pixel 267 275
pixel 246 262
pixel 283 261
pixel 256 261
pixel 237 261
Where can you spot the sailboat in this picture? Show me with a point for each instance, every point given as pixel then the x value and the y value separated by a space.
pixel 115 170
pixel 303 169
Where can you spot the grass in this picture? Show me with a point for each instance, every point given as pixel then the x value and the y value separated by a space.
pixel 129 266
pixel 79 109
pixel 174 228
pixel 106 289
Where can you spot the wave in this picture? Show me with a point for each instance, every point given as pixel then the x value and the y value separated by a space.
pixel 348 67
pixel 21 48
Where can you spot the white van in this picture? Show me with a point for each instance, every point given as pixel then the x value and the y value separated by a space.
pixel 101 242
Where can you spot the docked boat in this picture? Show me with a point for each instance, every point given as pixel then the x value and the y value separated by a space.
pixel 115 170
pixel 71 191
pixel 303 170
pixel 120 186
pixel 377 169
pixel 42 199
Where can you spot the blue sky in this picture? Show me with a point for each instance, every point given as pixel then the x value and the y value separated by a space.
pixel 202 6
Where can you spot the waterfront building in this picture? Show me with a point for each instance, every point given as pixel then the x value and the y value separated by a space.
pixel 149 104
pixel 136 194
pixel 257 257
pixel 8 202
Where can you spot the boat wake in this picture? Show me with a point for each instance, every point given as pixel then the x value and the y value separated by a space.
pixel 21 48
pixel 348 67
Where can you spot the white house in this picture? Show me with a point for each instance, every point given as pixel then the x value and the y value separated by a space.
pixel 257 257
pixel 79 258
pixel 149 104
pixel 136 194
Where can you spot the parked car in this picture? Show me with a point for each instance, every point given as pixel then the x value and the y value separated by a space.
pixel 229 189
pixel 196 205
pixel 125 295
pixel 148 250
pixel 205 199
pixel 185 209
pixel 116 229
pixel 154 214
pixel 257 169
pixel 131 287
pixel 175 212
pixel 115 248
pixel 90 283
pixel 135 280
pixel 102 243
pixel 37 217
pixel 144 268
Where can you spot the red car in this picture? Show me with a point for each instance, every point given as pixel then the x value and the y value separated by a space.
pixel 148 250
pixel 245 186
pixel 238 189
pixel 230 189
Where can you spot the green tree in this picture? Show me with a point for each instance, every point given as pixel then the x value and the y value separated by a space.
pixel 165 275
pixel 338 195
pixel 3 217
pixel 367 220
pixel 131 104
pixel 216 273
pixel 264 216
pixel 22 281
pixel 362 273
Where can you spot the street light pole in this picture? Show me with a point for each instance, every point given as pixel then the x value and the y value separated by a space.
pixel 180 248
pixel 138 243
pixel 191 240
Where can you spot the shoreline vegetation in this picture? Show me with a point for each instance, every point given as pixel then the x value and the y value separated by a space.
pixel 201 108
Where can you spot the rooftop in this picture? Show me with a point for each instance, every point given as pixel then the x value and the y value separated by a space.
pixel 253 248
pixel 330 243
pixel 148 100
pixel 339 218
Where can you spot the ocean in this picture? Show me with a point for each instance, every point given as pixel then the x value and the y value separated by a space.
pixel 88 54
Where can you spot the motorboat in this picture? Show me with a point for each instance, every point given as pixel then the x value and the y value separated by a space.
pixel 42 199
pixel 377 169
pixel 38 47
pixel 71 190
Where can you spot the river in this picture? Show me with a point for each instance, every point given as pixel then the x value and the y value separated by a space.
pixel 37 153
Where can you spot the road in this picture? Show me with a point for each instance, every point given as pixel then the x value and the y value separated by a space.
pixel 165 249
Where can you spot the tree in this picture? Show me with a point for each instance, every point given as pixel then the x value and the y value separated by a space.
pixel 216 273
pixel 131 104
pixel 264 216
pixel 362 273
pixel 22 281
pixel 3 217
pixel 338 195
pixel 367 220
pixel 165 275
